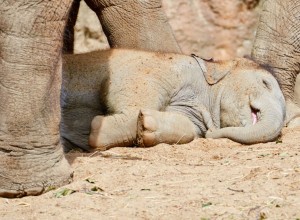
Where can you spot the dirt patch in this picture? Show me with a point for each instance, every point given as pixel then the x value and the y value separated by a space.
pixel 206 179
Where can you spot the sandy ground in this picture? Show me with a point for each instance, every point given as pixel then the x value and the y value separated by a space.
pixel 206 179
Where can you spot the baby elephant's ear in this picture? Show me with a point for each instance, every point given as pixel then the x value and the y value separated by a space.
pixel 215 71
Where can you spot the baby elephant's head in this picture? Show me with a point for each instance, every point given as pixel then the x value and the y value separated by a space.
pixel 252 106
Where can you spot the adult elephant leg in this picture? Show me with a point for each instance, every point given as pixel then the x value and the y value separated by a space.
pixel 135 24
pixel 31 156
pixel 277 44
pixel 295 121
pixel 68 45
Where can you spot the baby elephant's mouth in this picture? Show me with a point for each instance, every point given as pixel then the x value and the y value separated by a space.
pixel 254 115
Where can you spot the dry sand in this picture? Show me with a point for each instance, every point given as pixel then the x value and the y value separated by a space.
pixel 206 179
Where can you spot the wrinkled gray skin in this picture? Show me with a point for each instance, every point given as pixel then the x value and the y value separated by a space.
pixel 150 98
pixel 277 45
pixel 31 32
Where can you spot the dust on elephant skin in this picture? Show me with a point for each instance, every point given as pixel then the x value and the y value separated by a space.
pixel 147 98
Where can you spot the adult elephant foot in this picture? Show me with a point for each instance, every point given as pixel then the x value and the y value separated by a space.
pixel 293 114
pixel 30 172
pixel 31 156
pixel 293 107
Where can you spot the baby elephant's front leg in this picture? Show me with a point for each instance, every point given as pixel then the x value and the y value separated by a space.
pixel 118 130
pixel 156 127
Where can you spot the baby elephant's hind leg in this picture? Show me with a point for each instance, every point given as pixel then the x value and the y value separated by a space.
pixel 118 130
pixel 156 127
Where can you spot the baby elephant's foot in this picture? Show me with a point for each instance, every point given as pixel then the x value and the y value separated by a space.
pixel 97 138
pixel 117 130
pixel 154 127
pixel 147 125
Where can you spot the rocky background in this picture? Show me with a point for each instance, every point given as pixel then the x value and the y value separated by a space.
pixel 221 29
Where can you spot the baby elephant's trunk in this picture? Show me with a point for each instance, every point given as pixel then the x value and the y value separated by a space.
pixel 271 116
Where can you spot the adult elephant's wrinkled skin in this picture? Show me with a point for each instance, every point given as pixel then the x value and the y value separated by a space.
pixel 31 32
pixel 277 45
pixel 144 98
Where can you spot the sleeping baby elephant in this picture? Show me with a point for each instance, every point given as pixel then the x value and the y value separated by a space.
pixel 127 97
